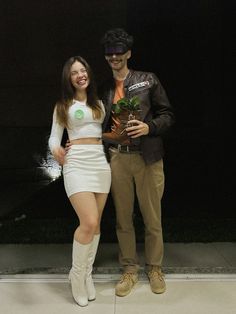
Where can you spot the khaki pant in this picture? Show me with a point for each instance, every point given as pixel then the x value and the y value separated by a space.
pixel 129 172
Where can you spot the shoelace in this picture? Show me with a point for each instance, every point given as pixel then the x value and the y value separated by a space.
pixel 127 276
pixel 156 273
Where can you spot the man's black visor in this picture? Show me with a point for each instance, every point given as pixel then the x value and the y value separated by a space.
pixel 115 49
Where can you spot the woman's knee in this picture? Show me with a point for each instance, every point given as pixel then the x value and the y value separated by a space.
pixel 90 225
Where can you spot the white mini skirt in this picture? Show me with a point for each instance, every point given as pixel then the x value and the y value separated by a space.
pixel 86 170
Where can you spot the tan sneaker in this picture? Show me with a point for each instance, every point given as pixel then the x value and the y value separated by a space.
pixel 126 283
pixel 156 279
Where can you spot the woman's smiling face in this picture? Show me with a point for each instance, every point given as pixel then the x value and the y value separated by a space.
pixel 79 76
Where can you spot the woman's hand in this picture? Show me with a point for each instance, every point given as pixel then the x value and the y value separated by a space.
pixel 59 154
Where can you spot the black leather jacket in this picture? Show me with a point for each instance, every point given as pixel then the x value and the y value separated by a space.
pixel 156 110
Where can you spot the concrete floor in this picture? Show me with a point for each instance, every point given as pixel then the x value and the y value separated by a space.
pixel 201 279
pixel 185 296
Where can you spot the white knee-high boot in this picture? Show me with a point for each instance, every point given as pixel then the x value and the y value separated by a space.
pixel 91 257
pixel 77 274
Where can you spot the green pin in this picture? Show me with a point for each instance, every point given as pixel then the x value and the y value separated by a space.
pixel 79 114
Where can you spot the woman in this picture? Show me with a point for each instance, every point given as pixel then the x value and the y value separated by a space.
pixel 87 175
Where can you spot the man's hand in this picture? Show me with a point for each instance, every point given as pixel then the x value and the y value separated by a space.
pixel 138 129
pixel 68 145
pixel 59 154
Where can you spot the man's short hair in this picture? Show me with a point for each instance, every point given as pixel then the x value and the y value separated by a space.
pixel 117 36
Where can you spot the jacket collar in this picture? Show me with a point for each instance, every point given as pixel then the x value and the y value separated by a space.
pixel 128 77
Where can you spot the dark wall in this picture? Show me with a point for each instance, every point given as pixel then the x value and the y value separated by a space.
pixel 189 45
pixel 181 41
pixel 37 37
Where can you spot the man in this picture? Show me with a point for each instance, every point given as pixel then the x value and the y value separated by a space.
pixel 138 164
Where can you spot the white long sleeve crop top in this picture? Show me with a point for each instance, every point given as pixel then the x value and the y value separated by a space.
pixel 81 124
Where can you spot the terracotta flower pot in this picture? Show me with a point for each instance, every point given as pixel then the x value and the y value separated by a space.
pixel 118 134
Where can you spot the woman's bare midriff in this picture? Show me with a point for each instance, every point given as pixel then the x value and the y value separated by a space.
pixel 87 140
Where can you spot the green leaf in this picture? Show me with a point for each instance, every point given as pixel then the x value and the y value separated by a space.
pixel 127 104
pixel 136 106
pixel 113 107
pixel 123 102
pixel 117 108
pixel 135 100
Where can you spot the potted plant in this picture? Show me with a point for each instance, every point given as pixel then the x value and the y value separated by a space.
pixel 124 110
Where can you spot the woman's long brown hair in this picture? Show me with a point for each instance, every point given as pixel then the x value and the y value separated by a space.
pixel 68 92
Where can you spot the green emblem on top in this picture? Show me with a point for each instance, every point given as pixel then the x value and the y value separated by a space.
pixel 79 114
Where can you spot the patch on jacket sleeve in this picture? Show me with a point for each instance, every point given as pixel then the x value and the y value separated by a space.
pixel 138 85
